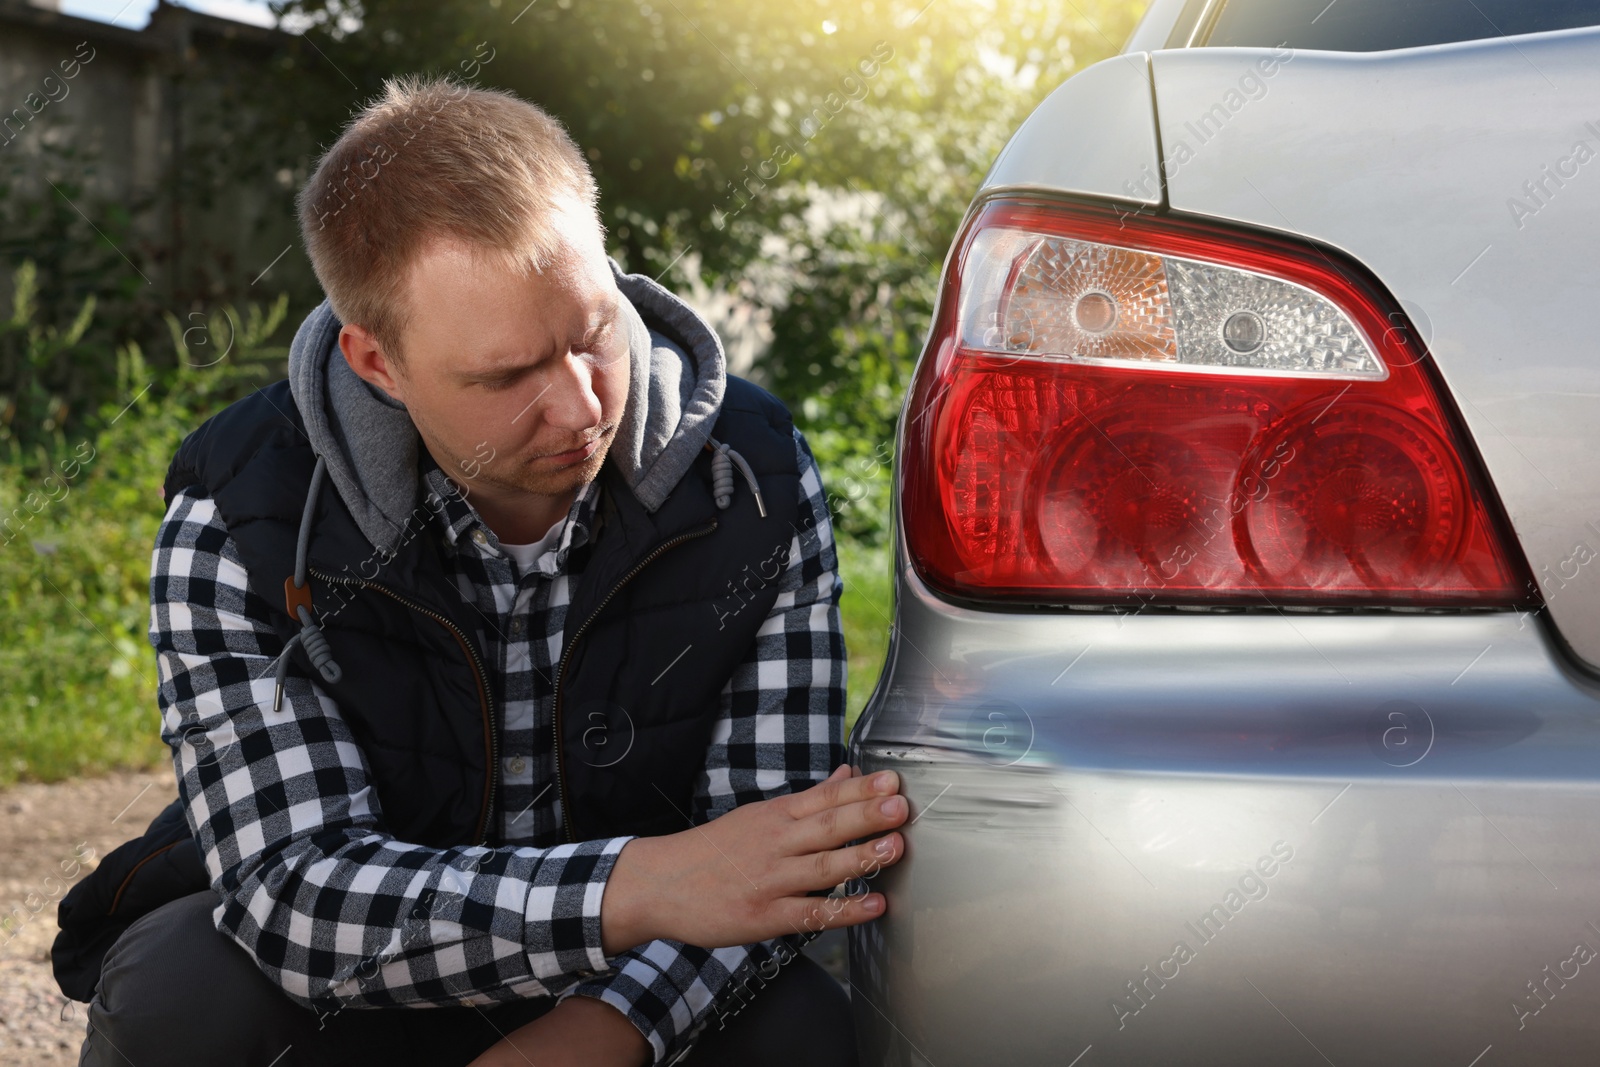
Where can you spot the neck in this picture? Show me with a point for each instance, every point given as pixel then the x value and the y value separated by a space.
pixel 520 518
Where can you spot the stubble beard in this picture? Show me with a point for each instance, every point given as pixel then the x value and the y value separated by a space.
pixel 525 477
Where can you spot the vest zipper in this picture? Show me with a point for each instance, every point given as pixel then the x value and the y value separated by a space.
pixel 566 655
pixel 485 694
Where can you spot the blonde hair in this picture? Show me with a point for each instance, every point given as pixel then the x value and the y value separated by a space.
pixel 434 158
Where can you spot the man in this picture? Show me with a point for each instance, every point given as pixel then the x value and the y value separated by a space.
pixel 500 656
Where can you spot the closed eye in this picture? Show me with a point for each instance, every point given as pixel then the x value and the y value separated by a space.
pixel 596 340
pixel 495 385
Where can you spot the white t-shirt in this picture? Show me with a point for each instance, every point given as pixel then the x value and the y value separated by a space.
pixel 527 556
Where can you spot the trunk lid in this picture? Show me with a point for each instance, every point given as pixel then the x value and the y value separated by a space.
pixel 1467 178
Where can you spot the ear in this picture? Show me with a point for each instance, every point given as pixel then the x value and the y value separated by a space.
pixel 366 357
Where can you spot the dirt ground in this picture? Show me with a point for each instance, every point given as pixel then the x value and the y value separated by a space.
pixel 43 831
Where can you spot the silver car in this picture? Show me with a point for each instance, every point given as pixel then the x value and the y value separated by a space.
pixel 1244 669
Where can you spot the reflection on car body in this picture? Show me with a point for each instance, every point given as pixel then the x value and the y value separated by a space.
pixel 1247 510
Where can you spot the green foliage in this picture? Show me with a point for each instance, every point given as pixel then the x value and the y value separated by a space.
pixel 751 133
pixel 237 348
pixel 46 205
pixel 828 152
pixel 850 331
pixel 866 607
pixel 81 299
pixel 33 354
pixel 681 104
pixel 78 303
pixel 78 516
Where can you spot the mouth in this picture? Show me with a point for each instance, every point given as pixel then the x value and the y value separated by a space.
pixel 579 454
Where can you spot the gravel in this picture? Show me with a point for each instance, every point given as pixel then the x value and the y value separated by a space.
pixel 43 831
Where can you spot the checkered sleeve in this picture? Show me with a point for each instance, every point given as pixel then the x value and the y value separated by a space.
pixel 780 729
pixel 327 902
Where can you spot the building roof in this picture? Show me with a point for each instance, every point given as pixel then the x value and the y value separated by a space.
pixel 170 29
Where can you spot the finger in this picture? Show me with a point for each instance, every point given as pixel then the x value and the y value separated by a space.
pixel 834 792
pixel 832 827
pixel 841 773
pixel 823 870
pixel 812 915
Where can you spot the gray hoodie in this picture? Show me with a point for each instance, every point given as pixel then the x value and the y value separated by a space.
pixel 370 444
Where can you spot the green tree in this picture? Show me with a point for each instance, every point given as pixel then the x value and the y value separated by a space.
pixel 753 135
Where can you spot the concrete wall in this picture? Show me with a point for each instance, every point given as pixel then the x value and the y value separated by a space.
pixel 151 114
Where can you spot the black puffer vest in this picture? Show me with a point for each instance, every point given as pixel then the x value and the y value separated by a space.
pixel 667 605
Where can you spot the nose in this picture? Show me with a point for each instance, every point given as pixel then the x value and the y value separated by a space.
pixel 570 402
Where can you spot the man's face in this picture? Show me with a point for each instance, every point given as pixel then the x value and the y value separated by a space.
pixel 516 385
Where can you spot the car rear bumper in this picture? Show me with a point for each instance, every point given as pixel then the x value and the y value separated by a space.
pixel 1195 838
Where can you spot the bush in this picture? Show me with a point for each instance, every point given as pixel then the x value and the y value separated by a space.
pixel 867 607
pixel 78 516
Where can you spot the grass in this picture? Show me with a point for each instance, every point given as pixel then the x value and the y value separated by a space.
pixel 867 609
pixel 79 674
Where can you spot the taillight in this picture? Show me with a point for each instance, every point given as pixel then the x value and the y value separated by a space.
pixel 1118 407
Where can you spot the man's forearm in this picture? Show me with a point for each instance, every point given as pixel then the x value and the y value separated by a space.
pixel 306 899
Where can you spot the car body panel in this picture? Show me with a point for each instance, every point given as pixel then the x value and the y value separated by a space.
pixel 1418 185
pixel 1086 787
pixel 1093 136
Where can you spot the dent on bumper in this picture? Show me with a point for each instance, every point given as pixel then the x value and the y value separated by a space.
pixel 1232 839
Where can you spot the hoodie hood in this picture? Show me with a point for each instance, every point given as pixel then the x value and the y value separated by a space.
pixel 370 445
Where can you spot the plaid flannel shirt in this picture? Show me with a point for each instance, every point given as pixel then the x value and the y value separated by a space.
pixel 336 910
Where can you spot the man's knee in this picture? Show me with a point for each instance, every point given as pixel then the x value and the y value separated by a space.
pixel 175 990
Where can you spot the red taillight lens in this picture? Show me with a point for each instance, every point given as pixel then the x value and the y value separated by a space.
pixel 1117 407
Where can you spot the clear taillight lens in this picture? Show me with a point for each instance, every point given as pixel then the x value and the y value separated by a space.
pixel 1127 408
pixel 1047 297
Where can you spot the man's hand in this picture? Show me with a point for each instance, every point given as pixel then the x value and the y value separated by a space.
pixel 578 1032
pixel 744 877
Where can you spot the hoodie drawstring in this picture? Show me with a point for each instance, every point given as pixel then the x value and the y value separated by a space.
pixel 297 598
pixel 723 459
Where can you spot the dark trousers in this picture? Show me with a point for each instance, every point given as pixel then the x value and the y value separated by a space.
pixel 176 991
